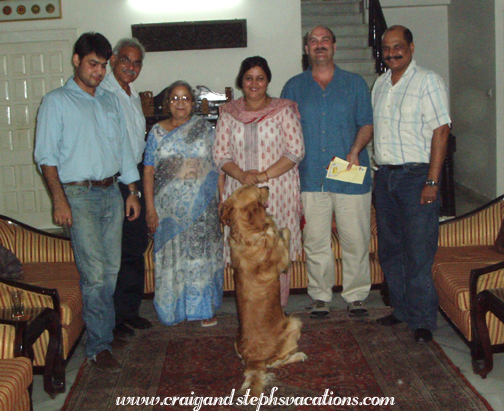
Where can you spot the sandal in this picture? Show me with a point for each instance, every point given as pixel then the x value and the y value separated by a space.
pixel 210 322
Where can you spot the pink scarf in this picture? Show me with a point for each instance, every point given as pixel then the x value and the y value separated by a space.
pixel 236 109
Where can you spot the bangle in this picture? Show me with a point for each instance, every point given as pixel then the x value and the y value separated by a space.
pixel 267 177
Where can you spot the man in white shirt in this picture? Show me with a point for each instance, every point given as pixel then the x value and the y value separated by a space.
pixel 126 63
pixel 411 129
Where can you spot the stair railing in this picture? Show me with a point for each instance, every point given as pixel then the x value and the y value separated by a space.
pixel 377 27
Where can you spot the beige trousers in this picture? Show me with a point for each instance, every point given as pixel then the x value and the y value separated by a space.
pixel 353 215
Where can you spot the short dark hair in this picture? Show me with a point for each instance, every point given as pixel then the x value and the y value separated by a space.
pixel 91 42
pixel 325 27
pixel 408 35
pixel 251 62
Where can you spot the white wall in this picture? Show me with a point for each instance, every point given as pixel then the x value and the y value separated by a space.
pixel 473 97
pixel 428 21
pixel 499 93
pixel 273 31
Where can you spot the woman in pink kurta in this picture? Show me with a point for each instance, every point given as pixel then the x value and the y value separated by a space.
pixel 259 141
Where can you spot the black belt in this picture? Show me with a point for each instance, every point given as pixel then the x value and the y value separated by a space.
pixel 401 166
pixel 106 182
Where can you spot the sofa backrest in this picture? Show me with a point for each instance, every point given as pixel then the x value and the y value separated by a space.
pixel 33 246
pixel 478 228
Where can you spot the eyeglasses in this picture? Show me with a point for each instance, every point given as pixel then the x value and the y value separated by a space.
pixel 126 61
pixel 183 99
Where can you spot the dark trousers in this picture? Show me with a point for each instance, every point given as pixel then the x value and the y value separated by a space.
pixel 130 280
pixel 407 243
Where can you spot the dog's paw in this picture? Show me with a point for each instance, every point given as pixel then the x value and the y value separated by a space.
pixel 285 234
pixel 299 356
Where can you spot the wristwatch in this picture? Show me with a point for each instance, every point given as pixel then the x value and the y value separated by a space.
pixel 431 183
pixel 136 193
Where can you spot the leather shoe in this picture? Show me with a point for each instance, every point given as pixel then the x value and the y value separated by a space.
pixel 388 320
pixel 423 335
pixel 106 362
pixel 139 323
pixel 123 331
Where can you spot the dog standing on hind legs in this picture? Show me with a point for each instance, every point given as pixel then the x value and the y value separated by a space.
pixel 267 338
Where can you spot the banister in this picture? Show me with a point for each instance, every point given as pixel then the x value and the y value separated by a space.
pixel 377 26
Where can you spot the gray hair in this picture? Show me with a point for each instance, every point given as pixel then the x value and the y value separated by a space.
pixel 128 42
pixel 168 90
pixel 175 84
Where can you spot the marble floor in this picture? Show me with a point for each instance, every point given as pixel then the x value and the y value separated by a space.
pixel 490 388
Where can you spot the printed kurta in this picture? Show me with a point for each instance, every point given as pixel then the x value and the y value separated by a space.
pixel 256 140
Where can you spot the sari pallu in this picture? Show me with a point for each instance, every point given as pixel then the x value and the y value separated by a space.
pixel 187 243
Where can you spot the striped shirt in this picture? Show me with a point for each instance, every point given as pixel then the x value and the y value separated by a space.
pixel 406 115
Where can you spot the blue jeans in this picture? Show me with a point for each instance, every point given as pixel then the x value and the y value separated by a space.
pixel 97 215
pixel 407 243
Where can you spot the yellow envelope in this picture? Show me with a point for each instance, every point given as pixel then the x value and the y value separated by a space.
pixel 337 170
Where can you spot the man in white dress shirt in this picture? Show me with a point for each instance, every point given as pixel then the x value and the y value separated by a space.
pixel 411 129
pixel 126 63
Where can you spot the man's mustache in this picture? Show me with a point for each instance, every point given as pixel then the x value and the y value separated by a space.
pixel 129 72
pixel 321 49
pixel 393 57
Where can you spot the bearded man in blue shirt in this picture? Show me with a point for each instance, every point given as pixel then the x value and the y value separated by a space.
pixel 83 149
pixel 337 120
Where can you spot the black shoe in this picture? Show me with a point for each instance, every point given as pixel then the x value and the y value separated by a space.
pixel 388 320
pixel 423 335
pixel 123 331
pixel 139 323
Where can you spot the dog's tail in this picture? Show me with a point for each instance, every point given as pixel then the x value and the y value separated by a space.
pixel 256 378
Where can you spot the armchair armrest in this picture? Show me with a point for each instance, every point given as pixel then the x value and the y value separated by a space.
pixel 478 284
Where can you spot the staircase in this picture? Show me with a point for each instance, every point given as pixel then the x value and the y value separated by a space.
pixel 346 19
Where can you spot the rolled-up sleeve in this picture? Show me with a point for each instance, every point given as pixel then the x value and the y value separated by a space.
pixel 48 133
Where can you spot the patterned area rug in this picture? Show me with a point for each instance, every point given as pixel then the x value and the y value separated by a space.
pixel 349 360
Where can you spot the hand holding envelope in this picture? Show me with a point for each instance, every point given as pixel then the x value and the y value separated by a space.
pixel 337 170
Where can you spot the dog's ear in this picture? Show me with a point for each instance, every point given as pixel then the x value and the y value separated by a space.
pixel 225 212
pixel 256 215
pixel 264 194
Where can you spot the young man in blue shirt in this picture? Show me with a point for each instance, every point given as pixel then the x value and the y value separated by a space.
pixel 82 149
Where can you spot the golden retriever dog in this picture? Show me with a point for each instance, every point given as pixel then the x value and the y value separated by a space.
pixel 259 254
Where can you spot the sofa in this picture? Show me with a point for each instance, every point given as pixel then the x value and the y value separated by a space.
pixel 464 266
pixel 50 280
pixel 299 279
pixel 16 374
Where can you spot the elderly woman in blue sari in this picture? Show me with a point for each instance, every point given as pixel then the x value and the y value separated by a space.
pixel 181 195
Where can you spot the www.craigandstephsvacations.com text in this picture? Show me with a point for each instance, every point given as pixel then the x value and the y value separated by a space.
pixel 267 400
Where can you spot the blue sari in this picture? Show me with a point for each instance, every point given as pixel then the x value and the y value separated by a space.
pixel 188 248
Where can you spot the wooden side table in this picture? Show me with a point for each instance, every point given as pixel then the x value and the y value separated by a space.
pixel 28 329
pixel 493 301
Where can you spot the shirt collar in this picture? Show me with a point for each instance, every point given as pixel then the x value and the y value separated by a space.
pixel 411 67
pixel 72 85
pixel 114 85
pixel 337 70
